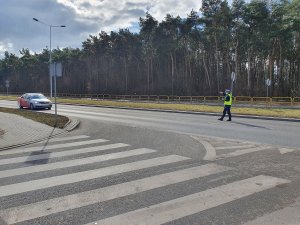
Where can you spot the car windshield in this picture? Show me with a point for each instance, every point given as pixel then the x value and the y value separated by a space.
pixel 39 96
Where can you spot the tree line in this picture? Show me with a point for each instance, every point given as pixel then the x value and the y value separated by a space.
pixel 195 55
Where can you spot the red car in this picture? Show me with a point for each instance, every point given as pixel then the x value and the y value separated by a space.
pixel 34 101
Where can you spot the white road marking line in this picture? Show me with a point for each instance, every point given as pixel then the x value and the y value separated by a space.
pixel 234 147
pixel 86 175
pixel 220 139
pixel 70 138
pixel 288 216
pixel 195 203
pixel 50 155
pixel 50 147
pixel 60 204
pixel 286 150
pixel 74 162
pixel 242 152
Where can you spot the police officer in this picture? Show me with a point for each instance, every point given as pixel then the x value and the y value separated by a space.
pixel 227 104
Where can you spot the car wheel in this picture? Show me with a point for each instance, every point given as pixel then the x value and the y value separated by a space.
pixel 21 107
pixel 32 107
pixel 49 108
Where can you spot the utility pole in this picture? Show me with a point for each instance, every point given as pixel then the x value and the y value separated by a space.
pixel 50 53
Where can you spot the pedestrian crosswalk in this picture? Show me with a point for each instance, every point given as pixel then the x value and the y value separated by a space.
pixel 136 172
pixel 55 146
pixel 48 155
pixel 103 194
pixel 188 205
pixel 74 162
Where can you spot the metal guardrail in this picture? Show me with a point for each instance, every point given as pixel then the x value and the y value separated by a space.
pixel 272 101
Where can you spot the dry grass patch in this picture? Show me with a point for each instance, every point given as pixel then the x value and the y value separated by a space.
pixel 9 98
pixel 272 112
pixel 45 118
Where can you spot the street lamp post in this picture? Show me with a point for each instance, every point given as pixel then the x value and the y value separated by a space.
pixel 50 55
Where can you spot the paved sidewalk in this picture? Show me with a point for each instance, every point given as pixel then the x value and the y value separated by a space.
pixel 20 131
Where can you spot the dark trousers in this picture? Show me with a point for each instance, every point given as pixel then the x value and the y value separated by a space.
pixel 226 109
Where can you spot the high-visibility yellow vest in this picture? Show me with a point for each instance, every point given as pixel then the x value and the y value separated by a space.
pixel 229 103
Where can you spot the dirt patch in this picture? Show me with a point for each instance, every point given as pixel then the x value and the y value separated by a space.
pixel 1 132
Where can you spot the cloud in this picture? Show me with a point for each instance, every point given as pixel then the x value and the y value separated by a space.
pixel 5 45
pixel 159 9
pixel 112 14
pixel 81 17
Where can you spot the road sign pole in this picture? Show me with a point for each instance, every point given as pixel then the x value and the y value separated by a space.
pixel 55 89
pixel 268 83
pixel 7 86
pixel 55 71
pixel 233 77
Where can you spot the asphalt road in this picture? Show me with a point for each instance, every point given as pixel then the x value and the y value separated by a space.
pixel 262 131
pixel 281 133
pixel 139 167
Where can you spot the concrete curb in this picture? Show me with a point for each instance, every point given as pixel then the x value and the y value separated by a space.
pixel 71 125
pixel 191 112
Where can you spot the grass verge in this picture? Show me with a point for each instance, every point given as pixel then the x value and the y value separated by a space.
pixel 45 118
pixel 272 112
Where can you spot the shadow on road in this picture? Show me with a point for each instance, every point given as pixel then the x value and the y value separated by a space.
pixel 42 152
pixel 48 139
pixel 39 161
pixel 250 125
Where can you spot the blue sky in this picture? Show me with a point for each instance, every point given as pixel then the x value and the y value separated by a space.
pixel 81 17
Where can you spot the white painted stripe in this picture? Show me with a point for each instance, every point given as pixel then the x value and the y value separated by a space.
pixel 86 175
pixel 287 216
pixel 50 147
pixel 68 138
pixel 50 155
pixel 191 204
pixel 234 147
pixel 48 207
pixel 286 150
pixel 74 162
pixel 242 152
